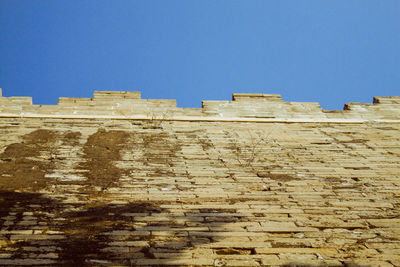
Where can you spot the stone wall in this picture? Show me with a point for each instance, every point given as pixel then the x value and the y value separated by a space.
pixel 122 181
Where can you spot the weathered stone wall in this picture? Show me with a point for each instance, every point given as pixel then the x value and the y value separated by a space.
pixel 118 180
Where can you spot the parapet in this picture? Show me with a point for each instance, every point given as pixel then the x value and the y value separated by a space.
pixel 115 95
pixel 257 97
pixel 243 107
pixel 387 100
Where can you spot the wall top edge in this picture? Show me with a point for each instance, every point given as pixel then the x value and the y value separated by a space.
pixel 242 105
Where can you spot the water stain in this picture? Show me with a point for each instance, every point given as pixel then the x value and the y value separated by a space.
pixel 23 165
pixel 282 177
pixel 101 151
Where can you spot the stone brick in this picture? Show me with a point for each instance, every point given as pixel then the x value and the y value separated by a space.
pixel 331 252
pixel 236 263
pixel 269 260
pixel 197 261
pixel 129 243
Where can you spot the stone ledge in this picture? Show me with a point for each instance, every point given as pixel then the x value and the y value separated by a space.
pixel 257 97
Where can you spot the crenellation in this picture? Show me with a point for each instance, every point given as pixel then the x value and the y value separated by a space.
pixel 73 101
pixel 20 100
pixel 387 100
pixel 166 103
pixel 253 107
pixel 115 95
pixel 256 97
pixel 206 104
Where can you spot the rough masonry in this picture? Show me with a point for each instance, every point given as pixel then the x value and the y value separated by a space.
pixel 117 180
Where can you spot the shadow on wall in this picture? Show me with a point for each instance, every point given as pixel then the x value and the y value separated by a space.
pixel 38 230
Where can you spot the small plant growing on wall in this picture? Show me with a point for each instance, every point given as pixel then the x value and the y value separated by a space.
pixel 246 154
pixel 157 118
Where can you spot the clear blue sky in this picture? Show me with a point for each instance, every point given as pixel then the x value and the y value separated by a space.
pixel 331 51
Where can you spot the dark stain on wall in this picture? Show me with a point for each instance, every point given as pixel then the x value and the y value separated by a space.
pixel 23 165
pixel 101 150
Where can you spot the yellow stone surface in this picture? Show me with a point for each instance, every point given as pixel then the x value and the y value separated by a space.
pixel 117 180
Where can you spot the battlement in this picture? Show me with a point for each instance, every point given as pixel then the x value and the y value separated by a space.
pixel 257 97
pixel 243 107
pixel 114 95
